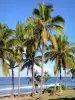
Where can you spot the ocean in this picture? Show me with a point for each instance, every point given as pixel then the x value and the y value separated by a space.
pixel 6 84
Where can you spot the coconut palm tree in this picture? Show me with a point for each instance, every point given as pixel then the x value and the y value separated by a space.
pixel 46 77
pixel 19 46
pixel 64 56
pixel 30 60
pixel 12 69
pixel 47 24
pixel 35 80
pixel 72 71
pixel 32 40
pixel 6 34
pixel 7 43
pixel 11 64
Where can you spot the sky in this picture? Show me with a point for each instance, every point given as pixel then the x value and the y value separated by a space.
pixel 12 11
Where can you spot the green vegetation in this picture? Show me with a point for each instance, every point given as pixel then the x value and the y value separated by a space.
pixel 34 36
pixel 46 77
pixel 47 23
pixel 63 56
pixel 50 89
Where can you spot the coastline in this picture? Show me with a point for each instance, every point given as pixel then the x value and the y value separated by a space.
pixel 24 87
pixel 28 87
pixel 66 95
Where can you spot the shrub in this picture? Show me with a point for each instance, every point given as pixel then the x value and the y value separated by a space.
pixel 50 89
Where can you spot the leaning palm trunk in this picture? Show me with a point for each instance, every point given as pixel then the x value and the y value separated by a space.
pixel 19 81
pixel 56 82
pixel 12 93
pixel 65 77
pixel 46 85
pixel 54 91
pixel 33 90
pixel 41 85
pixel 60 82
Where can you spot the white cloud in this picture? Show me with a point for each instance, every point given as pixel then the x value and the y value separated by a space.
pixel 48 69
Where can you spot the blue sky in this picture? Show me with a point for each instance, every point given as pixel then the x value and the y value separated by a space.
pixel 12 11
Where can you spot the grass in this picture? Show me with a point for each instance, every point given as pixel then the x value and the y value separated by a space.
pixel 45 96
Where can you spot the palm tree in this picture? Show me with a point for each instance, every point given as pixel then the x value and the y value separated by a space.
pixel 6 34
pixel 72 71
pixel 64 56
pixel 32 43
pixel 30 60
pixel 7 43
pixel 19 46
pixel 35 80
pixel 47 24
pixel 12 69
pixel 46 77
pixel 11 64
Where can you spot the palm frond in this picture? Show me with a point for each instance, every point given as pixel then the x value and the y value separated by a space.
pixel 5 68
pixel 50 7
pixel 57 28
pixel 36 12
pixel 53 40
pixel 56 66
pixel 58 20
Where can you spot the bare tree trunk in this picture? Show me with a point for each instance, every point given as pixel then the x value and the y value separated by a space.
pixel 60 82
pixel 19 81
pixel 41 85
pixel 12 93
pixel 56 82
pixel 54 91
pixel 33 87
pixel 46 85
pixel 65 78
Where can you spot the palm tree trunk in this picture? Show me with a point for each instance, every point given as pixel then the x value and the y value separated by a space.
pixel 46 85
pixel 19 81
pixel 41 85
pixel 12 93
pixel 33 88
pixel 56 82
pixel 60 82
pixel 65 77
pixel 60 65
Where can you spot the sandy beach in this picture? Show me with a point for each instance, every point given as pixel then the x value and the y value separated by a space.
pixel 46 96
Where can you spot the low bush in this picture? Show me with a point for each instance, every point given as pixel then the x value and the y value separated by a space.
pixel 50 89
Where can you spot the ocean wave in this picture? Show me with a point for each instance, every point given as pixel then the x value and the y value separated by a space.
pixel 28 87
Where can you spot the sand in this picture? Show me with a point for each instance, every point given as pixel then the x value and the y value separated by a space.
pixel 45 96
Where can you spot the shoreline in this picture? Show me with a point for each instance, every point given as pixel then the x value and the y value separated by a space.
pixel 28 87
pixel 28 94
pixel 23 87
pixel 66 95
pixel 6 92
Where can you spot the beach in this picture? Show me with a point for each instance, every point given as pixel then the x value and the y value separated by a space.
pixel 25 88
pixel 46 96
